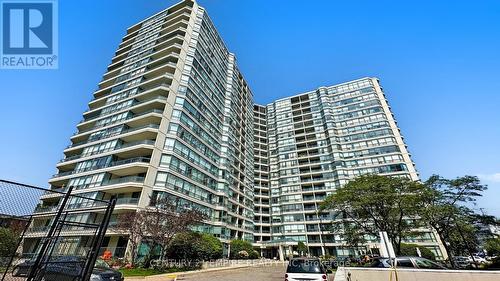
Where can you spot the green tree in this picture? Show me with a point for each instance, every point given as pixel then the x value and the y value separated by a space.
pixel 446 209
pixel 194 246
pixel 411 250
pixel 238 246
pixel 492 246
pixel 253 255
pixel 352 234
pixel 8 242
pixel 302 248
pixel 462 237
pixel 210 247
pixel 374 203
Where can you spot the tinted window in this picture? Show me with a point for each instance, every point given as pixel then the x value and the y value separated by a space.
pixel 424 263
pixel 305 266
pixel 380 263
pixel 404 263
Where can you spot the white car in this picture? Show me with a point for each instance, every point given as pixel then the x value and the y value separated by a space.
pixel 305 269
pixel 478 259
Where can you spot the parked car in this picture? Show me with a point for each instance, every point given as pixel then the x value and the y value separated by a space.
pixel 69 268
pixel 461 262
pixel 310 269
pixel 407 262
pixel 478 259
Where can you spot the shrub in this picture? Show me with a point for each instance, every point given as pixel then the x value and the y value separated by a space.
pixel 8 242
pixel 210 247
pixel 253 255
pixel 411 250
pixel 194 246
pixel 240 245
pixel 492 246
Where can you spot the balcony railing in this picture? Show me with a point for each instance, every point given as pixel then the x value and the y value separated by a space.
pixel 119 146
pixel 45 209
pixel 129 179
pixel 131 105
pixel 112 164
pixel 118 121
pixel 154 126
pixel 127 201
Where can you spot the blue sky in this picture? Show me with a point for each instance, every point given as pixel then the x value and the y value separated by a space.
pixel 438 61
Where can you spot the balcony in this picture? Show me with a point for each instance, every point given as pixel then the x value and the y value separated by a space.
pixel 112 164
pixel 130 180
pixel 156 66
pixel 136 102
pixel 127 201
pixel 137 107
pixel 45 209
pixel 150 126
pixel 174 37
pixel 133 37
pixel 116 148
pixel 124 120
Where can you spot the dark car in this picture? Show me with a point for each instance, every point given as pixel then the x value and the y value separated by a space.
pixel 69 268
pixel 407 262
pixel 306 269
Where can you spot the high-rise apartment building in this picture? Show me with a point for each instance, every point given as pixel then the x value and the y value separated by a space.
pixel 173 116
pixel 316 142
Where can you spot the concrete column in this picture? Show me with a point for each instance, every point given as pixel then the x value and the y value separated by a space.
pixel 322 250
pixel 280 252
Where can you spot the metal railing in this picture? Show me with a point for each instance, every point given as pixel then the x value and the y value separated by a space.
pixel 97 167
pixel 153 126
pixel 118 121
pixel 118 146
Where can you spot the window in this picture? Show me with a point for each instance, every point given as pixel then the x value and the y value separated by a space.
pixel 404 263
pixel 427 264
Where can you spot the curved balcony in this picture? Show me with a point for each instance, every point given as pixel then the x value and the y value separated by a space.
pixel 122 133
pixel 98 167
pixel 133 117
pixel 122 184
pixel 138 106
pixel 118 148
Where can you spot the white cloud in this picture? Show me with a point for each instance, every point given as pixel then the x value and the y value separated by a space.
pixel 494 178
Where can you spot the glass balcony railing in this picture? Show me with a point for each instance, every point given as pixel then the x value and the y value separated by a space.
pixel 45 209
pixel 91 203
pixel 118 121
pixel 127 201
pixel 117 147
pixel 112 164
pixel 129 179
pixel 153 126
pixel 123 108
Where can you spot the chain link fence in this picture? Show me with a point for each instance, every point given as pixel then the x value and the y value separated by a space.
pixel 47 234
